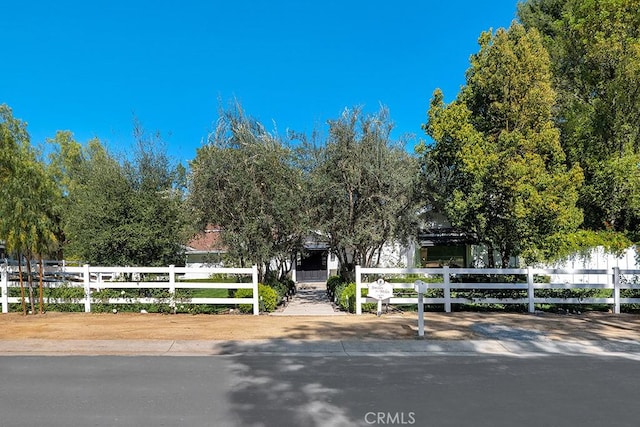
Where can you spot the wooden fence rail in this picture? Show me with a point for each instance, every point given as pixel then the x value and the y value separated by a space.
pixel 93 279
pixel 452 280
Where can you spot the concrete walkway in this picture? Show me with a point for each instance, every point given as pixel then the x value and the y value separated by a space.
pixel 310 300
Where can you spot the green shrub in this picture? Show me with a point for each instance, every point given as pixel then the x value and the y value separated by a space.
pixel 283 286
pixel 281 291
pixel 202 308
pixel 101 300
pixel 63 297
pixel 290 285
pixel 245 293
pixel 332 284
pixel 346 298
pixel 630 293
pixel 268 298
pixel 411 278
pixel 574 293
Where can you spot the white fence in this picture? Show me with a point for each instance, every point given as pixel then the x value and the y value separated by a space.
pixel 93 279
pixel 613 279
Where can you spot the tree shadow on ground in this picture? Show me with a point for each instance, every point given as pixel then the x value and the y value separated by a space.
pixel 307 389
pixel 317 383
pixel 310 379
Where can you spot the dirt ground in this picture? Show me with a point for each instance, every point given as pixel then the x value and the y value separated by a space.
pixel 89 326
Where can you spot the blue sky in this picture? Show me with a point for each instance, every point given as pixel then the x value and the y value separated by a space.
pixel 91 66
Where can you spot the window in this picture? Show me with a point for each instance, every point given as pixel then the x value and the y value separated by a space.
pixel 437 256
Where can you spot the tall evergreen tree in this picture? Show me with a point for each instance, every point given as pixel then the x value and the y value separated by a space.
pixel 595 55
pixel 496 167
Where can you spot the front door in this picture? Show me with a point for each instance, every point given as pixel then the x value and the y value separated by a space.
pixel 312 267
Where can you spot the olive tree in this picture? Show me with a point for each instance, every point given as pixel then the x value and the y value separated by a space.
pixel 362 184
pixel 245 180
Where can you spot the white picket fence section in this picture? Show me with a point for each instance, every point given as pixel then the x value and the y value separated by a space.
pixel 615 279
pixel 94 278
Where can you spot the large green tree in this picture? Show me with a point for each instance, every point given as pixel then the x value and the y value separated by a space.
pixel 496 167
pixel 120 212
pixel 245 181
pixel 595 54
pixel 362 183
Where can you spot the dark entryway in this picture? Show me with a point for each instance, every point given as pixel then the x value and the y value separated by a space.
pixel 312 266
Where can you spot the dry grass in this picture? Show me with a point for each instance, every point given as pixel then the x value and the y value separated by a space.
pixel 87 326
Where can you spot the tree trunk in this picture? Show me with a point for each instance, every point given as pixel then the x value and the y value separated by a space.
pixel 285 266
pixel 262 270
pixel 490 256
pixel 41 299
pixel 506 257
pixel 30 282
pixel 367 257
pixel 347 273
pixel 24 305
pixel 346 268
pixel 379 255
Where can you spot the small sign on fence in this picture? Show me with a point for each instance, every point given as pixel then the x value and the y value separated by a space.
pixel 380 290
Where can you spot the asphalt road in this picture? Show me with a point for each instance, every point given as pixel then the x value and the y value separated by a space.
pixel 281 390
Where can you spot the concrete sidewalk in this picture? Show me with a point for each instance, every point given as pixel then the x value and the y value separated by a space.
pixel 289 347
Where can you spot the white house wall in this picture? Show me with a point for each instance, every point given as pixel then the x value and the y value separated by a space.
pixel 396 255
pixel 597 259
pixel 480 259
pixel 333 266
pixel 202 265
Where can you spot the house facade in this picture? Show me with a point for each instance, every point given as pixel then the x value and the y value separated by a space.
pixel 205 249
pixel 315 263
pixel 434 246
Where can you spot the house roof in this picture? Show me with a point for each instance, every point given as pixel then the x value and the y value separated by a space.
pixel 315 240
pixel 444 236
pixel 206 241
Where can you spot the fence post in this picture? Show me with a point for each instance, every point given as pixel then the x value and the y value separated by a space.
pixel 447 288
pixel 87 289
pixel 420 287
pixel 172 288
pixel 5 291
pixel 616 290
pixel 256 298
pixel 358 291
pixel 530 290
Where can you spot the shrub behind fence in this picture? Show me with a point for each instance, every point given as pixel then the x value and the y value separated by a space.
pixel 88 287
